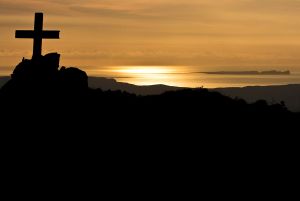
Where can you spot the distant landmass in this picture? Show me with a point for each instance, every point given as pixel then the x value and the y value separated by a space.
pixel 272 72
pixel 289 94
pixel 112 84
pixel 3 80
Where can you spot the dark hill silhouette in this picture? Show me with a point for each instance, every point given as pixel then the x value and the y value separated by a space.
pixel 289 94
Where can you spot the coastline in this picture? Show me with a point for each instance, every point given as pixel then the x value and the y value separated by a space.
pixel 272 72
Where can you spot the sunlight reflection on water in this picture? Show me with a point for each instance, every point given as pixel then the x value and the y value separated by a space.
pixel 189 77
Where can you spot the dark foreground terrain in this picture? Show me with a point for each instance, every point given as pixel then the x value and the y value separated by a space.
pixel 50 117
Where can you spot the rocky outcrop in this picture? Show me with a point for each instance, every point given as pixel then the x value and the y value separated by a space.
pixel 43 76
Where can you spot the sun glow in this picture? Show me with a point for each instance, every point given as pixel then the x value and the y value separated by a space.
pixel 149 75
pixel 133 70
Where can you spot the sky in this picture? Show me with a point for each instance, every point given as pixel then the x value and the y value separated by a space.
pixel 214 35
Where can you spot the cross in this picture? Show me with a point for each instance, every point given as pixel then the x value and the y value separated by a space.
pixel 37 34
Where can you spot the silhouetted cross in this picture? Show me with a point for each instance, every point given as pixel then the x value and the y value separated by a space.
pixel 37 34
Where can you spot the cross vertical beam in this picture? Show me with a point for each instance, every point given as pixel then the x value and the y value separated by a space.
pixel 38 31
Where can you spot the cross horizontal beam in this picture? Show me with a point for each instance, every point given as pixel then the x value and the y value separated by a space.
pixel 37 34
pixel 31 34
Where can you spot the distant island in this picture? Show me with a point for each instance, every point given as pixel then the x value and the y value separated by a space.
pixel 272 72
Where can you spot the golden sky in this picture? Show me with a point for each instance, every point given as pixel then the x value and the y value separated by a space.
pixel 237 34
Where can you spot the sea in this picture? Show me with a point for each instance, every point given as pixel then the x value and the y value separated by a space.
pixel 183 77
